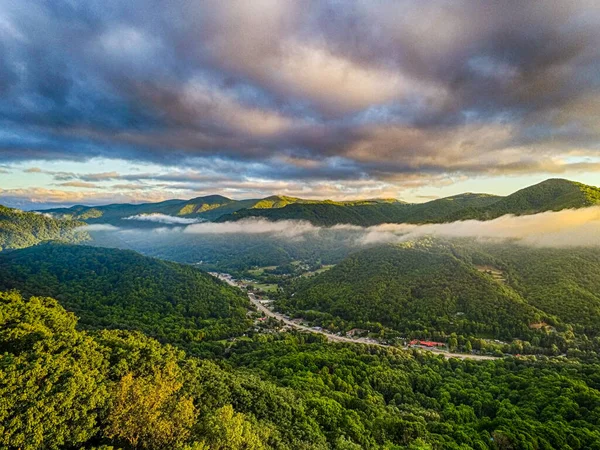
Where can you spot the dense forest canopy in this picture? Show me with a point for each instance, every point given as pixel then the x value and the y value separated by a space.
pixel 103 348
pixel 20 229
pixel 111 288
pixel 124 390
pixel 431 288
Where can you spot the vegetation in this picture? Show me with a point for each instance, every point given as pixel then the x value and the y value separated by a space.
pixel 416 288
pixel 553 194
pixel 110 288
pixel 533 298
pixel 107 349
pixel 64 388
pixel 20 229
pixel 549 195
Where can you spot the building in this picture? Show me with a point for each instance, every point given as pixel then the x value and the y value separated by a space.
pixel 430 344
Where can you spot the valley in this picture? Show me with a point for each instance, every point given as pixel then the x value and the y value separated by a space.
pixel 306 336
pixel 262 306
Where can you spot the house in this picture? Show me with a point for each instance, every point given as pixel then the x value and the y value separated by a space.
pixel 430 344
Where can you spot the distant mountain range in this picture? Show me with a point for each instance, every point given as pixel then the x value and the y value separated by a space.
pixel 550 195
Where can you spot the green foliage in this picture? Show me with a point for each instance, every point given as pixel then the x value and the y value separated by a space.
pixel 62 388
pixel 110 288
pixel 369 397
pixel 52 378
pixel 550 195
pixel 416 289
pixel 547 298
pixel 20 229
pixel 149 412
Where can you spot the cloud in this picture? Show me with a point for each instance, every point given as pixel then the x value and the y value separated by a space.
pixel 79 184
pixel 284 228
pixel 99 227
pixel 304 90
pixel 561 229
pixel 162 218
pixel 38 198
pixel 567 228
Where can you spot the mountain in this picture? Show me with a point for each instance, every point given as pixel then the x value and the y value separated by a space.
pixel 417 287
pixel 207 208
pixel 19 229
pixel 213 207
pixel 430 288
pixel 367 213
pixel 550 195
pixel 111 288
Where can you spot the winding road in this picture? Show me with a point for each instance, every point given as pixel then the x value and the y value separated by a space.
pixel 334 337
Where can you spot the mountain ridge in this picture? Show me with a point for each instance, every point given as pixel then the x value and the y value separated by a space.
pixel 549 195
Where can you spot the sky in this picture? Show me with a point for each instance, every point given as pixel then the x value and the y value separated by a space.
pixel 113 101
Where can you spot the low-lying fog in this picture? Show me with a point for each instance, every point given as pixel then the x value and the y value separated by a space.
pixel 578 227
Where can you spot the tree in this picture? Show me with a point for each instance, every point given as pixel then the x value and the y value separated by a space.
pixel 230 430
pixel 452 342
pixel 52 387
pixel 150 412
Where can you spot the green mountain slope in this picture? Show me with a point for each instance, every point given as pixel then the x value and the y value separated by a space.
pixel 20 229
pixel 110 288
pixel 206 208
pixel 66 388
pixel 564 283
pixel 417 287
pixel 327 214
pixel 500 290
pixel 550 195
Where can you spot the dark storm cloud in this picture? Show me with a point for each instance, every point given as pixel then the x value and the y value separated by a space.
pixel 303 90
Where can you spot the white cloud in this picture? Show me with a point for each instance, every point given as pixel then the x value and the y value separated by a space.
pixel 163 218
pixel 99 227
pixel 567 228
pixel 286 228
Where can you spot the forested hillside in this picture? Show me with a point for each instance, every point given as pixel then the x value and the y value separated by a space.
pixel 368 213
pixel 550 195
pixel 565 283
pixel 120 389
pixel 207 208
pixel 111 288
pixel 20 229
pixel 546 297
pixel 417 287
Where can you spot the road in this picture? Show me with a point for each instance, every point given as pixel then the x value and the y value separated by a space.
pixel 334 337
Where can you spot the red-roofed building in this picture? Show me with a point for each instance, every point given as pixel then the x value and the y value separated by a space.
pixel 430 344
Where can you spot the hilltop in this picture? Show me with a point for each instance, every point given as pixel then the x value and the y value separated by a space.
pixel 112 288
pixel 19 229
pixel 549 195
